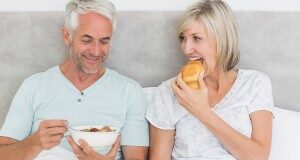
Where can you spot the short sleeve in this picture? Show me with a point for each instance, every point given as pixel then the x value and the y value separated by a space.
pixel 18 122
pixel 135 131
pixel 261 95
pixel 160 111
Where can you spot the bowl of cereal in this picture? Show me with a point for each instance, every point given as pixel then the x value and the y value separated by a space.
pixel 95 136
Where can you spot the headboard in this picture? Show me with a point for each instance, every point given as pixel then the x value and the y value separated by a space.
pixel 145 48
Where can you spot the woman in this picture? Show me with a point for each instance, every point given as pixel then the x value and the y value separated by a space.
pixel 230 117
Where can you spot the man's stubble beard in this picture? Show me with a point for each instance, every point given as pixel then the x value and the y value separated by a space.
pixel 79 63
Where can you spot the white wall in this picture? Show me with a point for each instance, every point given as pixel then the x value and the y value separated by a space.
pixel 58 5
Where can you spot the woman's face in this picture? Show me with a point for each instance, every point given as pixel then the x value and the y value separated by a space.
pixel 196 44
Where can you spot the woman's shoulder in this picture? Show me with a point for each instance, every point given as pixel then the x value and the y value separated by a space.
pixel 259 88
pixel 165 86
pixel 254 76
pixel 164 110
pixel 168 82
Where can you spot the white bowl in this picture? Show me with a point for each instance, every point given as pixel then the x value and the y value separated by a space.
pixel 95 139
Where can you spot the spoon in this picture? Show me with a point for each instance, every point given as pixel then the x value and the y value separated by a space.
pixel 73 129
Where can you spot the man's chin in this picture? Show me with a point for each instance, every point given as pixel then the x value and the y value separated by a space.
pixel 91 71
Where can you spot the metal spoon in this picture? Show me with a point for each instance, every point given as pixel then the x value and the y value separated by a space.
pixel 73 129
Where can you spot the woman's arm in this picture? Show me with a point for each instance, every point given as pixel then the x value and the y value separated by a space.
pixel 161 143
pixel 196 102
pixel 240 146
pixel 135 152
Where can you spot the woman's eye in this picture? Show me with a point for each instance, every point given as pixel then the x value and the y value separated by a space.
pixel 182 38
pixel 196 38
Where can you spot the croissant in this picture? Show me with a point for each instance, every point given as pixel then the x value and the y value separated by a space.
pixel 190 73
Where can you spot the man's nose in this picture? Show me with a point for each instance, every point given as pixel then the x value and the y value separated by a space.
pixel 95 49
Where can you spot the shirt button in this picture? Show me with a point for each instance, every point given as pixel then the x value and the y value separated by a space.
pixel 82 93
pixel 79 100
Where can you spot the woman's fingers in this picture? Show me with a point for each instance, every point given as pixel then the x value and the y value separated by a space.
pixel 201 80
pixel 177 91
pixel 181 83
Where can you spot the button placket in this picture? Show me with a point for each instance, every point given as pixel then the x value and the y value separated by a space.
pixel 80 97
pixel 79 102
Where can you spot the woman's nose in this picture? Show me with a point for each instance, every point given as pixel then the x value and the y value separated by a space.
pixel 188 48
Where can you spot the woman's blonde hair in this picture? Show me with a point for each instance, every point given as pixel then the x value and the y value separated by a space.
pixel 75 7
pixel 221 25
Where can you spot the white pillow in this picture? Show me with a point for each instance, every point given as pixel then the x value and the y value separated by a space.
pixel 286 135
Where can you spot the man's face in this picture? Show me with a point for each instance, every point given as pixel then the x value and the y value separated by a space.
pixel 90 43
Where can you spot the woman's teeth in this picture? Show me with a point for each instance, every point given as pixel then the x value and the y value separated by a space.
pixel 192 59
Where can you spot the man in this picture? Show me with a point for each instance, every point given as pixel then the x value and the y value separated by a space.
pixel 80 91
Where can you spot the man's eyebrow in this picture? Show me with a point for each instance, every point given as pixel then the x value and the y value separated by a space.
pixel 105 38
pixel 86 35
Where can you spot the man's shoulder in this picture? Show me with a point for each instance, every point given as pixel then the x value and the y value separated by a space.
pixel 40 76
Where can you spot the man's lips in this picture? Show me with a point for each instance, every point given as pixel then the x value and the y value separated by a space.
pixel 92 60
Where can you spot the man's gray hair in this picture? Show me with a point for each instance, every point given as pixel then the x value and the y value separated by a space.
pixel 76 7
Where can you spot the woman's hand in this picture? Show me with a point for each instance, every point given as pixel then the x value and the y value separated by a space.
pixel 85 152
pixel 195 101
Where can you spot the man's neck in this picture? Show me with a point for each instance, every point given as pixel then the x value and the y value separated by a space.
pixel 80 79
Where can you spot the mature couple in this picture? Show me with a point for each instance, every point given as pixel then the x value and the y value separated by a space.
pixel 230 117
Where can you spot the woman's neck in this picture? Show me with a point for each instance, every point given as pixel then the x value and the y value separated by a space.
pixel 220 80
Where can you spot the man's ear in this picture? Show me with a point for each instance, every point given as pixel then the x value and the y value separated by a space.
pixel 66 35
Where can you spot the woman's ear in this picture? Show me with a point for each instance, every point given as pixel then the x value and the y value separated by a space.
pixel 66 36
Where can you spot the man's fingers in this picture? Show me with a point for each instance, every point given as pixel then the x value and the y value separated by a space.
pixel 54 123
pixel 115 147
pixel 52 144
pixel 56 138
pixel 85 147
pixel 56 130
pixel 75 148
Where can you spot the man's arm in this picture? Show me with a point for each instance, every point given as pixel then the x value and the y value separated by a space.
pixel 49 135
pixel 11 149
pixel 135 152
pixel 135 132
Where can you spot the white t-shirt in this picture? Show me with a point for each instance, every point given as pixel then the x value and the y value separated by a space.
pixel 251 91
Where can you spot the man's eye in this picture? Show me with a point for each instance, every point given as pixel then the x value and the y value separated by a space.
pixel 104 41
pixel 86 40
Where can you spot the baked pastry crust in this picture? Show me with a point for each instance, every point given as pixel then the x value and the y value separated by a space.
pixel 190 73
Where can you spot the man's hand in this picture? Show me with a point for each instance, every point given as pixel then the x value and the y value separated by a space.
pixel 85 152
pixel 50 133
